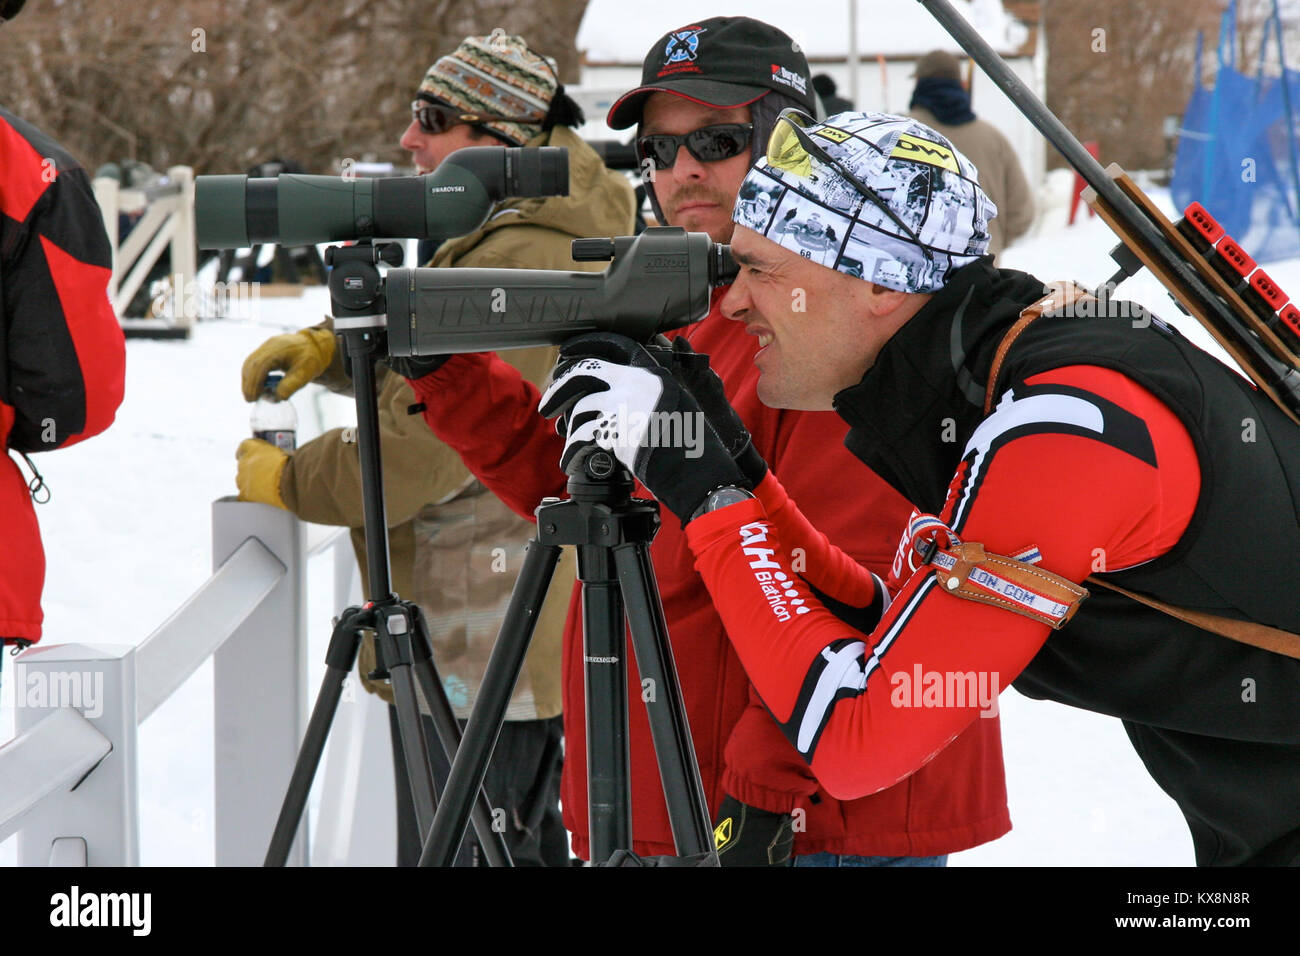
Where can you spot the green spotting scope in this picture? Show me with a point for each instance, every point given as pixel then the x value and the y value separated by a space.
pixel 232 212
pixel 660 280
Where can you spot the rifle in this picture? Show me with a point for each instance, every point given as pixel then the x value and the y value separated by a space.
pixel 1207 274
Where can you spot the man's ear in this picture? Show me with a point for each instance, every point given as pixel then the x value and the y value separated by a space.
pixel 881 300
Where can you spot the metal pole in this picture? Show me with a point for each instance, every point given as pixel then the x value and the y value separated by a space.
pixel 855 93
pixel 688 806
pixel 361 352
pixel 604 641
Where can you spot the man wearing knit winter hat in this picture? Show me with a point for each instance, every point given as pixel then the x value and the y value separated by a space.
pixel 455 547
pixel 1045 439
pixel 493 85
pixel 710 93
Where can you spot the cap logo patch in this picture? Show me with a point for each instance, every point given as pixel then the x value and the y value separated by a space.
pixel 923 151
pixel 789 78
pixel 683 45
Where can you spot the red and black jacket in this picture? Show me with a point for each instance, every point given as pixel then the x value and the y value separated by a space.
pixel 1114 450
pixel 62 355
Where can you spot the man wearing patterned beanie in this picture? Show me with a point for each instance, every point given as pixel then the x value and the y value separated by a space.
pixel 1046 440
pixel 455 548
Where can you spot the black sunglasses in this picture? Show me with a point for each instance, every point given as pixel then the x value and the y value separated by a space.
pixel 789 147
pixel 438 117
pixel 708 144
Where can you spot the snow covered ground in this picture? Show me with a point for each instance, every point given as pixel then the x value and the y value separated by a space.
pixel 128 539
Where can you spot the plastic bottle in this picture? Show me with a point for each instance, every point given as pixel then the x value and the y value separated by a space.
pixel 273 420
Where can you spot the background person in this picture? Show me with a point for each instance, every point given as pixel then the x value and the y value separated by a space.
pixel 832 102
pixel 62 353
pixel 942 102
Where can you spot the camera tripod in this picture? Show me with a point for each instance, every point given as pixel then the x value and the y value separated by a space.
pixel 401 638
pixel 612 532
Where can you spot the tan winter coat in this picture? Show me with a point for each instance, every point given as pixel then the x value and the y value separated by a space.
pixel 1000 174
pixel 455 548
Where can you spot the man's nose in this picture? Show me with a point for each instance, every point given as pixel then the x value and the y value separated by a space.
pixel 687 167
pixel 735 303
pixel 412 139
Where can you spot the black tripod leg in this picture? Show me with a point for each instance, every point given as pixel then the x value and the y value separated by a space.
pixel 448 730
pixel 392 627
pixel 470 765
pixel 688 807
pixel 339 660
pixel 605 654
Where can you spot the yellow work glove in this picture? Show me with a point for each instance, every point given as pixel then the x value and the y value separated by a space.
pixel 303 355
pixel 260 467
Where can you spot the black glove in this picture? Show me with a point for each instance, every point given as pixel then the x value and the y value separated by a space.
pixel 748 836
pixel 416 366
pixel 692 371
pixel 617 397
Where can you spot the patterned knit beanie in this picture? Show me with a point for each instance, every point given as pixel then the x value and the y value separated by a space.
pixel 795 198
pixel 497 75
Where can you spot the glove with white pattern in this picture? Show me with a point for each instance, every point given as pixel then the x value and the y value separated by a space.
pixel 616 397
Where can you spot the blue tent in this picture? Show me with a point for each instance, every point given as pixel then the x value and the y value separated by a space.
pixel 1237 152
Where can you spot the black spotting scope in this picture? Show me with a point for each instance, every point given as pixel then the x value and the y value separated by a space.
pixel 660 280
pixel 293 210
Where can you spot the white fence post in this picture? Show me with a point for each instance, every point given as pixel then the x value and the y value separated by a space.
pixel 259 694
pixel 184 249
pixel 106 190
pixel 103 810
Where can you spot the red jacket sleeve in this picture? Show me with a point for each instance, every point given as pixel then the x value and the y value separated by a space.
pixel 1069 466
pixel 64 355
pixel 481 407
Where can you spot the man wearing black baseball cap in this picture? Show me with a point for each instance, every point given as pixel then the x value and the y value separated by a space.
pixel 724 62
pixel 715 88
pixel 710 95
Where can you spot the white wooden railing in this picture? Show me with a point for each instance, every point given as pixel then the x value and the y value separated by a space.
pixel 69 780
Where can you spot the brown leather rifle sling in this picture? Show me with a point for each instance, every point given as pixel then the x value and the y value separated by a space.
pixel 1247 632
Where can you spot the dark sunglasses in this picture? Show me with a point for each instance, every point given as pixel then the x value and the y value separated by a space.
pixel 790 148
pixel 438 117
pixel 708 144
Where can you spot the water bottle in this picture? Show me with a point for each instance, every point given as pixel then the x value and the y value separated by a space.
pixel 273 420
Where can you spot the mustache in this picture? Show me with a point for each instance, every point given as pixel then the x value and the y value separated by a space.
pixel 702 195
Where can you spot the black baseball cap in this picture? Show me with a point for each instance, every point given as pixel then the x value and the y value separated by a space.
pixel 723 62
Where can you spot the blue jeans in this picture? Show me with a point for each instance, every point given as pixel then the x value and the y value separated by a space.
pixel 847 859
